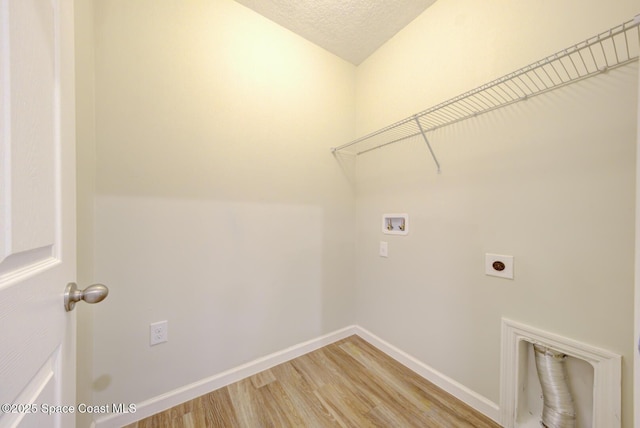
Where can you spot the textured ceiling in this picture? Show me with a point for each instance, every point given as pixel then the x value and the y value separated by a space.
pixel 351 29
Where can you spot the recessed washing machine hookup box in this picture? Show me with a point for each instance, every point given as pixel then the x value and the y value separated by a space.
pixel 395 224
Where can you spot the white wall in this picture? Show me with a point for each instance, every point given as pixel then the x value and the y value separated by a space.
pixel 219 206
pixel 550 181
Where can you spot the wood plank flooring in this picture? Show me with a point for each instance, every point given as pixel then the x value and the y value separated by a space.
pixel 346 384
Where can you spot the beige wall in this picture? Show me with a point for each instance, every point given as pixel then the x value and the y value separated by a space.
pixel 219 206
pixel 550 181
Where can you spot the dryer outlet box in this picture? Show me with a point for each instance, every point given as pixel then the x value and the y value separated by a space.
pixel 499 265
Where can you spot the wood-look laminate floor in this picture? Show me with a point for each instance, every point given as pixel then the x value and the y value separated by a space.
pixel 347 384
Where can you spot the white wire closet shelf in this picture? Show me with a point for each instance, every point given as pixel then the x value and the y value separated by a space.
pixel 613 48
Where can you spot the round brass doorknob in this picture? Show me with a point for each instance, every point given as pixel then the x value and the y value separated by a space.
pixel 92 294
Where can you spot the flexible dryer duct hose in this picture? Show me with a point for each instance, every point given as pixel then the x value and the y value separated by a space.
pixel 558 410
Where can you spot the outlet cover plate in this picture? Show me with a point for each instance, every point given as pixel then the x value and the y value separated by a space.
pixel 499 265
pixel 384 249
pixel 158 332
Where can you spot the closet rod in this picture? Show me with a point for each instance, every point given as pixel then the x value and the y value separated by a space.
pixel 613 48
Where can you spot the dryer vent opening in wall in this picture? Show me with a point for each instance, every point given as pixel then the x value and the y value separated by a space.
pixel 558 410
pixel 557 389
pixel 556 382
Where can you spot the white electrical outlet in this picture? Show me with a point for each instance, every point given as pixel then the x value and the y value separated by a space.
pixel 158 332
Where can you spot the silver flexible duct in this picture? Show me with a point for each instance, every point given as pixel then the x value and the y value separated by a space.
pixel 558 411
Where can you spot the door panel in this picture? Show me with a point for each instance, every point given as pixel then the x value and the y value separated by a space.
pixel 37 210
pixel 41 389
pixel 29 107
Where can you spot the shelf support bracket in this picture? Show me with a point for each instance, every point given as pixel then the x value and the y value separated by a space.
pixel 433 155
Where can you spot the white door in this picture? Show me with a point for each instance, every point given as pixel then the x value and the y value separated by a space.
pixel 37 213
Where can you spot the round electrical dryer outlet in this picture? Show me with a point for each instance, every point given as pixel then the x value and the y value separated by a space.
pixel 499 265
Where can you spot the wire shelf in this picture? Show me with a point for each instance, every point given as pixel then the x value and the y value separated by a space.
pixel 605 51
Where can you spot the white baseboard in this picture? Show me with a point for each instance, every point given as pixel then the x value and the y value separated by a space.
pixel 204 386
pixel 461 392
pixel 196 389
